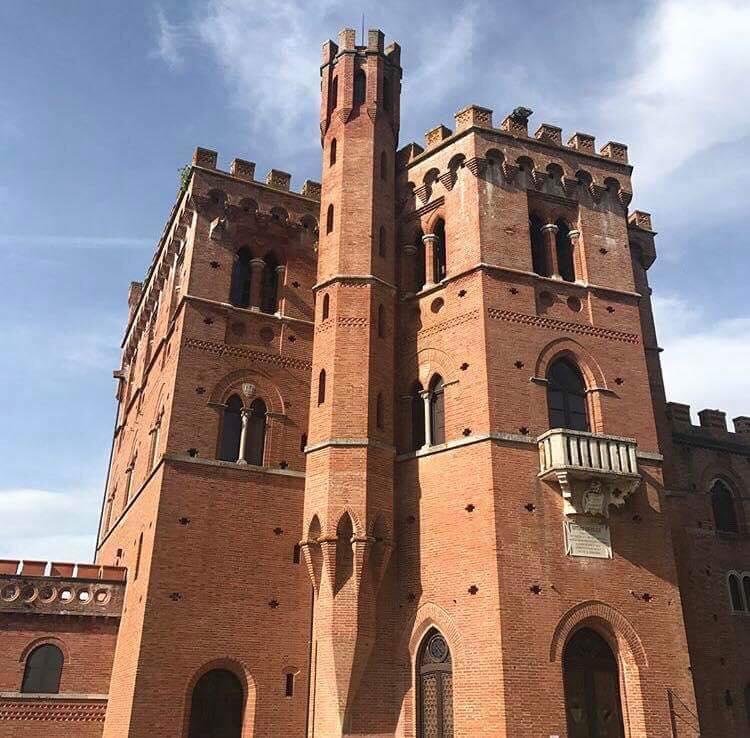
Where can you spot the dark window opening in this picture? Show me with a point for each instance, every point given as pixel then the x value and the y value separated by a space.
pixel 231 430
pixel 255 437
pixel 383 166
pixel 217 706
pixel 538 248
pixel 289 685
pixel 269 301
pixel 333 98
pixel 344 552
pixel 43 670
pixel 296 554
pixel 329 219
pixel 735 594
pixel 564 246
pixel 322 387
pixel 381 321
pixel 326 306
pixel 417 417
pixel 592 687
pixel 420 272
pixel 725 516
pixel 360 87
pixel 239 294
pixel 566 397
pixel 332 159
pixel 437 410
pixel 439 252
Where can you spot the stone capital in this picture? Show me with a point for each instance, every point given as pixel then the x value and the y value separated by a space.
pixel 550 227
pixel 257 263
pixel 429 238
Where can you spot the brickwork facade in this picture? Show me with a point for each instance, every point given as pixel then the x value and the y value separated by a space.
pixel 393 458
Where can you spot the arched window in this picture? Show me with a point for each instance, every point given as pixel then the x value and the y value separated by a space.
pixel 326 306
pixel 43 669
pixel 217 706
pixel 746 589
pixel 333 98
pixel 360 87
pixel 329 219
pixel 435 675
pixel 592 687
pixel 239 293
pixel 420 272
pixel 344 552
pixel 332 159
pixel 231 430
pixel 437 410
pixel 725 516
pixel 735 593
pixel 538 250
pixel 566 397
pixel 381 242
pixel 439 252
pixel 383 166
pixel 381 321
pixel 322 387
pixel 255 436
pixel 417 417
pixel 379 420
pixel 564 246
pixel 269 297
pixel 386 93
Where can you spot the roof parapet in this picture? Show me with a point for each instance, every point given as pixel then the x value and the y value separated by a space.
pixel 242 169
pixel 437 134
pixel 615 151
pixel 713 419
pixel 473 115
pixel 742 424
pixel 311 189
pixel 66 570
pixel 279 180
pixel 517 122
pixel 584 142
pixel 205 158
pixel 640 219
pixel 375 40
pixel 347 39
pixel 551 134
pixel 710 420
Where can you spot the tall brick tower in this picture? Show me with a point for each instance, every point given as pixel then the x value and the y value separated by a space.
pixel 349 471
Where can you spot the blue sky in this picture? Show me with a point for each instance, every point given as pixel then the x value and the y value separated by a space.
pixel 101 103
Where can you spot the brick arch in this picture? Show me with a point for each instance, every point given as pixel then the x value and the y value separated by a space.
pixel 240 669
pixel 265 389
pixel 429 615
pixel 429 221
pixel 607 621
pixel 715 471
pixel 43 641
pixel 431 361
pixel 329 522
pixel 560 347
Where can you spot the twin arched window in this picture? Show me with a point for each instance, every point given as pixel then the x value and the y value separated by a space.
pixel 43 670
pixel 722 505
pixel 243 433
pixel 260 292
pixel 217 706
pixel 739 591
pixel 566 396
pixel 428 414
pixel 551 248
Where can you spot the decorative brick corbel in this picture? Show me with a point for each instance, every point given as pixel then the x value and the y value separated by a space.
pixel 510 171
pixel 448 180
pixel 344 114
pixel 538 178
pixel 328 554
pixel 372 111
pixel 423 193
pixel 361 545
pixel 570 185
pixel 596 191
pixel 476 165
pixel 310 549
pixel 624 196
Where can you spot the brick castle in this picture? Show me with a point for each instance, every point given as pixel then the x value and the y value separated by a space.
pixel 393 458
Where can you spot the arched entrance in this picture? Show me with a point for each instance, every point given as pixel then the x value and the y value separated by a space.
pixel 592 687
pixel 435 675
pixel 217 705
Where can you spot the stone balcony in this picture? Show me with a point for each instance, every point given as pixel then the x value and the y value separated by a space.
pixel 594 471
pixel 36 587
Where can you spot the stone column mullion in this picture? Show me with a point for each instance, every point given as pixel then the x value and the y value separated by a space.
pixel 280 274
pixel 550 233
pixel 427 428
pixel 256 280
pixel 429 258
pixel 575 244
pixel 243 437
pixel 410 276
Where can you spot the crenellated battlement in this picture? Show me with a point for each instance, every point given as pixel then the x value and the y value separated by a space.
pixel 712 422
pixel 245 170
pixel 516 124
pixel 61 588
pixel 347 44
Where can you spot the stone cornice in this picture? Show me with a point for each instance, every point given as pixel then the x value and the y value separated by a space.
pixel 361 278
pixel 703 440
pixel 246 312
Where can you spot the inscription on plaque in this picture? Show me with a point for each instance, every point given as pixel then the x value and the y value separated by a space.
pixel 589 537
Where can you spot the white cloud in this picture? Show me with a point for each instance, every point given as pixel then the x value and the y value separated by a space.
pixel 684 96
pixel 41 524
pixel 170 40
pixel 705 362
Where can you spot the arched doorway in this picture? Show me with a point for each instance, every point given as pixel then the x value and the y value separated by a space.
pixel 592 687
pixel 435 675
pixel 217 706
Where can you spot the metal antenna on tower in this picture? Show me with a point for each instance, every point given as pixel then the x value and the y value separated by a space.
pixel 363 28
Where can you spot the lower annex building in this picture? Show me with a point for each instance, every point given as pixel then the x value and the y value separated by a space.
pixel 393 458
